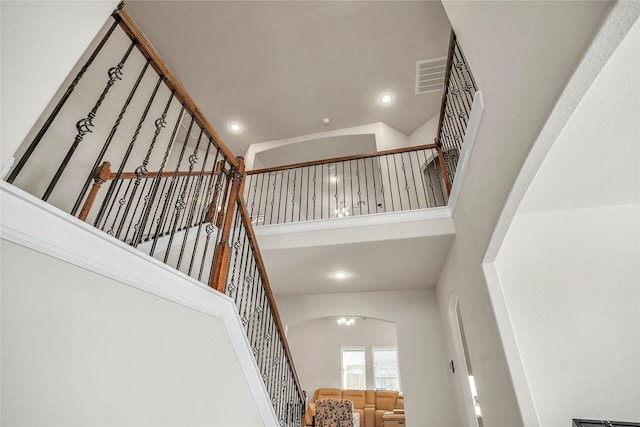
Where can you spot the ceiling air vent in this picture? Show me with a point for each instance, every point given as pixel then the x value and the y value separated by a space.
pixel 430 75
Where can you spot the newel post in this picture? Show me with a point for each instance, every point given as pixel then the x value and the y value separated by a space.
pixel 100 176
pixel 221 261
pixel 443 166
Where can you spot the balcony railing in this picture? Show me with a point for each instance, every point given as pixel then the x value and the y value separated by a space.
pixel 386 181
pixel 125 148
pixel 457 100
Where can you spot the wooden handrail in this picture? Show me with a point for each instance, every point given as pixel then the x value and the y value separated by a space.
pixel 132 175
pixel 344 158
pixel 443 104
pixel 445 89
pixel 244 214
pixel 148 51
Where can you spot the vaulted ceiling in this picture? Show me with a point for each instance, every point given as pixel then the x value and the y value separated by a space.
pixel 280 67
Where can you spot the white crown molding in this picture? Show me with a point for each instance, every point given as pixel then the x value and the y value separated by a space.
pixel 34 224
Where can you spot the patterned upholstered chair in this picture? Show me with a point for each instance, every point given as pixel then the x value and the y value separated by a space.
pixel 334 413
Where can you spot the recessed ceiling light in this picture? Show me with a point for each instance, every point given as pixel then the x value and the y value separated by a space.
pixel 387 98
pixel 340 275
pixel 235 127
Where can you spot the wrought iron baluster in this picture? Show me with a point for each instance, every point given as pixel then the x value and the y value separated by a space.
pixel 107 143
pixel 252 185
pixel 150 198
pixel 422 179
pixel 56 110
pixel 194 201
pixel 373 177
pixel 273 195
pixel 83 126
pixel 353 211
pixel 306 214
pixel 263 195
pixel 180 203
pixel 344 192
pixel 203 210
pixel 117 191
pixel 143 117
pixel 397 180
pixel 286 197
pixel 255 311
pixel 314 190
pixel 210 228
pixel 321 189
pixel 262 330
pixel 406 182
pixel 135 210
pixel 141 170
pixel 242 288
pixel 359 193
pixel 162 194
pixel 336 193
pixel 121 202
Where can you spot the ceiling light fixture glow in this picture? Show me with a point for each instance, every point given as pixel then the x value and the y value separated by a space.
pixel 340 275
pixel 387 98
pixel 346 321
pixel 235 127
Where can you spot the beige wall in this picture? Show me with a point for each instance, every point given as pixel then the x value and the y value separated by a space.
pixel 316 348
pixel 519 93
pixel 421 352
pixel 569 266
pixel 32 65
pixel 81 349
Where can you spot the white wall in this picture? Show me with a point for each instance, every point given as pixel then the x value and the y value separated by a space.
pixel 316 348
pixel 387 138
pixel 572 254
pixel 33 66
pixel 426 133
pixel 570 280
pixel 518 96
pixel 79 348
pixel 421 352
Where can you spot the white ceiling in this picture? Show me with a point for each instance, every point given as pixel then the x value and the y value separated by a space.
pixel 415 263
pixel 280 67
pixel 318 149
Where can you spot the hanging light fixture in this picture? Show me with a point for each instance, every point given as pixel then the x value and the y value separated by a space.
pixel 346 321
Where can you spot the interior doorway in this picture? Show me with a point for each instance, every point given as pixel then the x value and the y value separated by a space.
pixel 461 365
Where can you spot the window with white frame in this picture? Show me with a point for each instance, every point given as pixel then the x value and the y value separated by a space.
pixel 353 368
pixel 386 375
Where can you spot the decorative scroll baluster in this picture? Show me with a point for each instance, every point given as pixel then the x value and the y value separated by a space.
pixel 115 181
pixel 45 127
pixel 84 126
pixel 111 134
pixel 141 170
pixel 149 199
